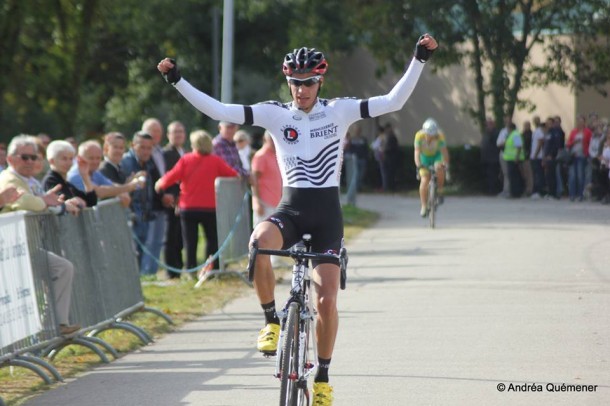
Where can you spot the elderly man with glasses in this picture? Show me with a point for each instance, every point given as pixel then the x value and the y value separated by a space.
pixel 22 157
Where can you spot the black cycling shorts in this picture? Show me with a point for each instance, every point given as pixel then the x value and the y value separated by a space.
pixel 315 211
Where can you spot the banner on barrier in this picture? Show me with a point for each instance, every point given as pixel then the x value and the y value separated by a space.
pixel 19 316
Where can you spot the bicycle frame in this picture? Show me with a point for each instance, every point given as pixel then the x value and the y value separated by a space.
pixel 300 293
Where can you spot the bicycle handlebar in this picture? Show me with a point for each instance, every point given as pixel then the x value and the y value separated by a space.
pixel 297 255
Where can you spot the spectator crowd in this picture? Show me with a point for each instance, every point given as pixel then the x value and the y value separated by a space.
pixel 541 160
pixel 167 192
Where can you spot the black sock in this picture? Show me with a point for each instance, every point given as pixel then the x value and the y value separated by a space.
pixel 322 374
pixel 270 314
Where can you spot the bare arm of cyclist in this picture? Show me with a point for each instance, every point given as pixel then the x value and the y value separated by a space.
pixel 445 153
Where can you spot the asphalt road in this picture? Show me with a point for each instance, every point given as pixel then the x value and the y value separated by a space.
pixel 503 292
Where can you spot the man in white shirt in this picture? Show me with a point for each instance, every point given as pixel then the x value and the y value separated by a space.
pixel 536 156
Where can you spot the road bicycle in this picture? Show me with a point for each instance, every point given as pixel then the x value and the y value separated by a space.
pixel 297 354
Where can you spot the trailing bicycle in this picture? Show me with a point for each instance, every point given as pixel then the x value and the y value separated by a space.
pixel 297 354
pixel 433 200
pixel 433 197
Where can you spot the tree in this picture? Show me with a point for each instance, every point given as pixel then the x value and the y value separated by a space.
pixel 82 67
pixel 72 67
pixel 11 17
pixel 47 62
pixel 495 38
pixel 63 61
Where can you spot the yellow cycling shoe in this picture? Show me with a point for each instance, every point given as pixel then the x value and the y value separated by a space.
pixel 322 394
pixel 267 338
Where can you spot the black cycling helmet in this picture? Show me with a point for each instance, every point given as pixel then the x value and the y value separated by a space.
pixel 304 60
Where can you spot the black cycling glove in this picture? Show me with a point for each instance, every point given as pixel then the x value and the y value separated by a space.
pixel 173 75
pixel 422 53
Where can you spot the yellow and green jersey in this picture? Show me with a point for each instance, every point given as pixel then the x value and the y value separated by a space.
pixel 429 148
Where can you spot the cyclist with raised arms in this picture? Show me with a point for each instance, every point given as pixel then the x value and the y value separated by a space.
pixel 430 150
pixel 308 133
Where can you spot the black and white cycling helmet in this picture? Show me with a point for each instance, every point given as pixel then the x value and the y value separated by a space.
pixel 430 127
pixel 304 60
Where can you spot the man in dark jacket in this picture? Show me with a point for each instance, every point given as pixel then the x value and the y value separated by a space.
pixel 490 158
pixel 114 149
pixel 389 159
pixel 145 202
pixel 173 151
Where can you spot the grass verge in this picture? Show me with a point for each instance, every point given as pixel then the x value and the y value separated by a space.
pixel 179 300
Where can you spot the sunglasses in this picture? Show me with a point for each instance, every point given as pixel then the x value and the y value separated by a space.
pixel 309 82
pixel 28 157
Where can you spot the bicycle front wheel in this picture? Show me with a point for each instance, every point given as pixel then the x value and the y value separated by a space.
pixel 290 359
pixel 432 204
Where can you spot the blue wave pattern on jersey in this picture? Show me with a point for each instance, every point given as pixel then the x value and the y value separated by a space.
pixel 316 170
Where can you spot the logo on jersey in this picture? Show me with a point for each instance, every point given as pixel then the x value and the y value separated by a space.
pixel 291 135
pixel 328 131
pixel 317 116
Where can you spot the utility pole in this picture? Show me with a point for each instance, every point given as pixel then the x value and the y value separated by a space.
pixel 226 88
pixel 216 52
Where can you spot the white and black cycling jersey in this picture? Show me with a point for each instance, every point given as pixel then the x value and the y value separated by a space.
pixel 309 146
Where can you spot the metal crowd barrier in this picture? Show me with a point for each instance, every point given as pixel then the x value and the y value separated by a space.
pixel 106 286
pixel 31 312
pixel 233 224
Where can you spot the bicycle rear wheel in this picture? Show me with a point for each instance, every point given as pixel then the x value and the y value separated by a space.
pixel 432 204
pixel 289 390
